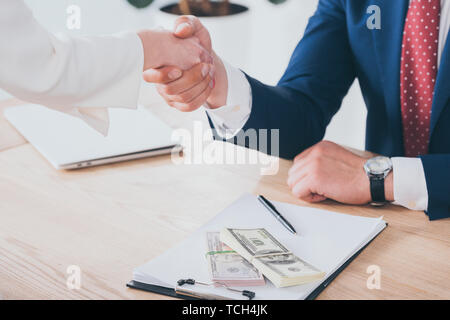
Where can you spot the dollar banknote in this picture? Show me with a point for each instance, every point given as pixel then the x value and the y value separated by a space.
pixel 270 257
pixel 229 268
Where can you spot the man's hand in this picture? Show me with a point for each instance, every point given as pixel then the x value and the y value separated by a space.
pixel 189 90
pixel 162 48
pixel 190 26
pixel 327 170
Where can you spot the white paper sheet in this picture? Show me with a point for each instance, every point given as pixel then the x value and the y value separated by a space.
pixel 325 239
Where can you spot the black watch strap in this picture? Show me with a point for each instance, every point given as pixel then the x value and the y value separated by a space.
pixel 377 190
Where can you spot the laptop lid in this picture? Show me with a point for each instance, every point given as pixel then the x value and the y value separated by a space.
pixel 65 140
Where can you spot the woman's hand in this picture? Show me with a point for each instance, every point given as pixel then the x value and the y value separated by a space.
pixel 188 90
pixel 162 48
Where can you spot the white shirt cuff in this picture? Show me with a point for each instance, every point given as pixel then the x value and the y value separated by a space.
pixel 231 118
pixel 410 185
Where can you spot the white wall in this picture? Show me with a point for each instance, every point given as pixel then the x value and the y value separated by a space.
pixel 275 33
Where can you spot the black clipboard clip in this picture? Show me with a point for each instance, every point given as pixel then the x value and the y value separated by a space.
pixel 246 293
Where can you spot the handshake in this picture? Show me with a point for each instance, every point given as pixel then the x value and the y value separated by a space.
pixel 187 72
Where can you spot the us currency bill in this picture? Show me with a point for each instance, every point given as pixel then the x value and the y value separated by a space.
pixel 270 257
pixel 228 267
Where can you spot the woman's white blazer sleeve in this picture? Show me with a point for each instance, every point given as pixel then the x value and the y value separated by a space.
pixel 78 75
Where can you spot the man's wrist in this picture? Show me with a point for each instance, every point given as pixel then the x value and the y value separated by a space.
pixel 218 96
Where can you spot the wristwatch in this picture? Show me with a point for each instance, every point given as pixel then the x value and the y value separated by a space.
pixel 377 170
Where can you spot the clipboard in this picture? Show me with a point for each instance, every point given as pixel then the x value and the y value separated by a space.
pixel 159 290
pixel 313 295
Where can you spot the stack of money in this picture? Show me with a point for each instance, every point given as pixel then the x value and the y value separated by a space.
pixel 270 257
pixel 229 268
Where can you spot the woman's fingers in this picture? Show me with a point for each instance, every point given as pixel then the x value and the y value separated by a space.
pixel 196 102
pixel 194 92
pixel 184 90
pixel 190 79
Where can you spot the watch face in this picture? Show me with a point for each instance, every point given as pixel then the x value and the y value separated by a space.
pixel 378 165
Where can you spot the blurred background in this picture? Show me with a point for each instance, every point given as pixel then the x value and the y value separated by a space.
pixel 259 42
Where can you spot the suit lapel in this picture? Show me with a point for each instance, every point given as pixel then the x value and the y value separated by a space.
pixel 388 42
pixel 442 88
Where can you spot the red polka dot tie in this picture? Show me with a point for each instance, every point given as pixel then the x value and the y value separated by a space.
pixel 418 73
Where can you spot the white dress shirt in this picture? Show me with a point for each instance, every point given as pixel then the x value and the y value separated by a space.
pixel 410 187
pixel 77 75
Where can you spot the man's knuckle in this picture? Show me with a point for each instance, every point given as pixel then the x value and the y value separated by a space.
pixel 185 97
pixel 325 145
pixel 190 105
pixel 165 90
pixel 318 163
pixel 316 168
pixel 316 152
pixel 175 99
pixel 169 90
pixel 161 91
pixel 193 105
pixel 166 99
pixel 185 108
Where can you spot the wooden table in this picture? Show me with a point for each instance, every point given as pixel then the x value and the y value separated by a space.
pixel 108 220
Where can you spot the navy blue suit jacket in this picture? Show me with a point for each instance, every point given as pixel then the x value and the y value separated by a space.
pixel 337 48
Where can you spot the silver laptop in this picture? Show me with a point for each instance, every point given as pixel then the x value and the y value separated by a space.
pixel 69 143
